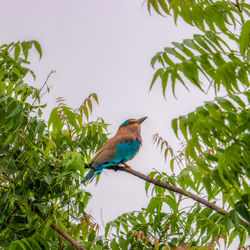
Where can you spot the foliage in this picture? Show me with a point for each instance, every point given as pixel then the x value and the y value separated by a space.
pixel 217 56
pixel 214 159
pixel 41 164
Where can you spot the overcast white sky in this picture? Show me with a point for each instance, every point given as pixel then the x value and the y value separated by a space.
pixel 105 47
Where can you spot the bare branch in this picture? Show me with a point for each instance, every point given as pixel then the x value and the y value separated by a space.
pixel 237 4
pixel 9 217
pixel 172 188
pixel 44 84
pixel 60 231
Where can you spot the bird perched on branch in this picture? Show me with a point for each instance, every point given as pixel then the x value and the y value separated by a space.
pixel 118 149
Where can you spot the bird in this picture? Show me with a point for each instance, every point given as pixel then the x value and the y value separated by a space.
pixel 118 149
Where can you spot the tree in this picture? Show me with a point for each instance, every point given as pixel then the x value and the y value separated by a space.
pixel 214 160
pixel 41 163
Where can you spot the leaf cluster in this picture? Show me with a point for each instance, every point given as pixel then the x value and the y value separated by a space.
pixel 41 164
pixel 217 57
pixel 214 158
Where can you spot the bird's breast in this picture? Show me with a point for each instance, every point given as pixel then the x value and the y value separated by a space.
pixel 127 150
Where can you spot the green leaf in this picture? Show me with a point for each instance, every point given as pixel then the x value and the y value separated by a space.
pixel 17 51
pixel 147 184
pixel 15 245
pixel 238 100
pixel 242 210
pixel 228 222
pixel 234 217
pixel 243 236
pixel 189 43
pixel 55 120
pixel 90 105
pixel 114 245
pixel 157 58
pixel 164 6
pixel 190 70
pixel 61 225
pixel 172 203
pixel 154 204
pixel 158 73
pixel 168 60
pixel 200 40
pixel 164 81
pixel 48 179
pixel 175 126
pixel 232 236
pixel 47 229
pixel 15 111
pixel 86 112
pixel 38 48
pixel 71 117
pixel 224 103
pixel 25 48
pixel 244 40
pixel 32 243
pixel 183 126
pixel 172 164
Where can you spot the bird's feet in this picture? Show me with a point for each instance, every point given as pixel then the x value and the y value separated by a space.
pixel 127 166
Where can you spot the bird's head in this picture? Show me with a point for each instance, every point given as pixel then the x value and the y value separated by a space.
pixel 133 122
pixel 132 126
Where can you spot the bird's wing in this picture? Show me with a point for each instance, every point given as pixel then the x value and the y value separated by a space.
pixel 96 155
pixel 108 151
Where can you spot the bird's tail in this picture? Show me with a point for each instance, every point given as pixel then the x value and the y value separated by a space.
pixel 91 174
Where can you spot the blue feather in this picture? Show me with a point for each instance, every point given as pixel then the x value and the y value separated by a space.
pixel 125 151
pixel 125 123
pixel 89 175
pixel 92 172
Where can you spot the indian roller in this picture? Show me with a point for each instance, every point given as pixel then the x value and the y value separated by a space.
pixel 118 149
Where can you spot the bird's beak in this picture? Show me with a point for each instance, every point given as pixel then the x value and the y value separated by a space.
pixel 141 119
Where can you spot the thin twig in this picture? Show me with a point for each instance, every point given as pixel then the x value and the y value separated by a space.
pixel 238 5
pixel 179 201
pixel 9 217
pixel 69 205
pixel 25 125
pixel 45 83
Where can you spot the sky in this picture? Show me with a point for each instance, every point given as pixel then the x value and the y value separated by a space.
pixel 105 47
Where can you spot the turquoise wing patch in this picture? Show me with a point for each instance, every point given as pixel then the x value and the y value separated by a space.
pixel 126 150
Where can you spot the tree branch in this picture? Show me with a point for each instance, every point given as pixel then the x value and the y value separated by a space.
pixel 60 231
pixel 238 5
pixel 9 217
pixel 172 188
